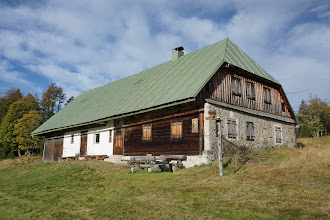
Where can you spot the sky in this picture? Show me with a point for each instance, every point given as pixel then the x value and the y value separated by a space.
pixel 83 44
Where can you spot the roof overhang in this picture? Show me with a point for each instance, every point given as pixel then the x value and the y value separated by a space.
pixel 104 120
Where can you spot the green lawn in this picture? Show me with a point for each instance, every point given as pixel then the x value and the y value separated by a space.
pixel 281 183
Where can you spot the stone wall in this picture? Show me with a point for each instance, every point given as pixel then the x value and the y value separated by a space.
pixel 264 130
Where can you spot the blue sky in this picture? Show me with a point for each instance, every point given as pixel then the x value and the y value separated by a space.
pixel 81 44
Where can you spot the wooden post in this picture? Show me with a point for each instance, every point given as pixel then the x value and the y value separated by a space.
pixel 219 147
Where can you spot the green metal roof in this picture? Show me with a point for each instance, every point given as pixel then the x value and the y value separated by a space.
pixel 170 83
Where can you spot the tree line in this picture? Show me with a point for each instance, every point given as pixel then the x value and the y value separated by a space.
pixel 314 118
pixel 21 114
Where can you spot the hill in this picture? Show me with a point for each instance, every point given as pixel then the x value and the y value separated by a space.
pixel 279 183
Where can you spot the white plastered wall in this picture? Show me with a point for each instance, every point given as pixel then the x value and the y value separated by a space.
pixel 104 147
pixel 71 149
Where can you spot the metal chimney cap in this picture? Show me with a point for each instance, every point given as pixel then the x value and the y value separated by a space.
pixel 178 48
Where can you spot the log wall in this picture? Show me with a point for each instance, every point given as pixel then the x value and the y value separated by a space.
pixel 161 141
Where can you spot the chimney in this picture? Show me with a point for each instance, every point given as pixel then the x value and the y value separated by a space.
pixel 177 53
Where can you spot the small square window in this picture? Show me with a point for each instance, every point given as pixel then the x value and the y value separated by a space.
pixel 110 136
pixel 176 129
pixel 232 128
pixel 278 135
pixel 72 138
pixel 97 138
pixel 194 125
pixel 236 88
pixel 147 132
pixel 283 107
pixel 250 92
pixel 249 131
pixel 267 96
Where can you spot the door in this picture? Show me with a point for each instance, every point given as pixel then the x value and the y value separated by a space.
pixel 53 149
pixel 119 142
pixel 83 143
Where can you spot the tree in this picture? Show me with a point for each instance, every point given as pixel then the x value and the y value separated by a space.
pixel 23 129
pixel 15 112
pixel 69 100
pixel 8 98
pixel 51 101
pixel 313 117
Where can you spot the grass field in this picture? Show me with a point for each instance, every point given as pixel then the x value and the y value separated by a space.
pixel 277 184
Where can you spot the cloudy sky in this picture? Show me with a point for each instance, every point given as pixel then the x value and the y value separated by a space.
pixel 84 44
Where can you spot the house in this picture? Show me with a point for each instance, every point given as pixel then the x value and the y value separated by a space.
pixel 164 110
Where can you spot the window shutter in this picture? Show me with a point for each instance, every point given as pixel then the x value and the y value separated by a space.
pixel 194 125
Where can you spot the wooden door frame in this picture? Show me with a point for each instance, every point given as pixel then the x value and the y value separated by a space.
pixel 83 133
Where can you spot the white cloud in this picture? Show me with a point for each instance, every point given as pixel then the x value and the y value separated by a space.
pixel 84 44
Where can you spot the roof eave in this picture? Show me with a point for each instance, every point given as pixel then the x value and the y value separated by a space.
pixel 191 99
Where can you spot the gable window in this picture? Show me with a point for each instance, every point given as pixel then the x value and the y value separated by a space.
pixel 283 107
pixel 236 86
pixel 110 136
pixel 72 138
pixel 267 97
pixel 250 92
pixel 278 135
pixel 232 128
pixel 146 132
pixel 176 129
pixel 97 138
pixel 194 125
pixel 249 131
pixel 208 87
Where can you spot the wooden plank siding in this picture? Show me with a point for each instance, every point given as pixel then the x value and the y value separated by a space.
pixel 220 90
pixel 161 141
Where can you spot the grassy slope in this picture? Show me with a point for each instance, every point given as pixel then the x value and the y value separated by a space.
pixel 282 183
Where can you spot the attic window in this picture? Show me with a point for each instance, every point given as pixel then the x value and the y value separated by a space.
pixel 236 86
pixel 267 97
pixel 208 87
pixel 250 92
pixel 283 107
pixel 139 81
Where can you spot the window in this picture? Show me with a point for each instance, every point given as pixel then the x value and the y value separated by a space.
pixel 250 93
pixel 208 87
pixel 267 97
pixel 176 129
pixel 110 136
pixel 146 132
pixel 72 138
pixel 278 135
pixel 97 138
pixel 232 128
pixel 194 125
pixel 236 86
pixel 249 131
pixel 283 107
